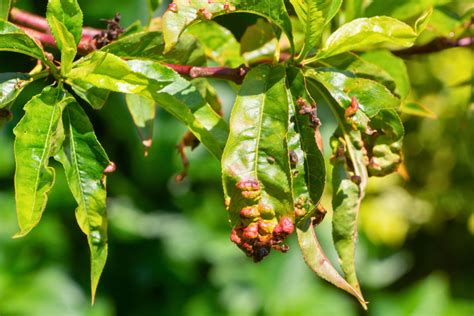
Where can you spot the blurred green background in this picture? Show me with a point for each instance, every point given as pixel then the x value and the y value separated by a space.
pixel 170 252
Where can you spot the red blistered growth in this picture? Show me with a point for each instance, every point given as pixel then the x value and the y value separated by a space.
pixel 250 212
pixel 173 7
pixel 251 231
pixel 287 226
pixel 228 7
pixel 204 14
pixel 234 236
pixel 352 109
pixel 248 185
pixel 110 168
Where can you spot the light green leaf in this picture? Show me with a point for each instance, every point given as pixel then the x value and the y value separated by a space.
pixel 5 6
pixel 394 66
pixel 65 41
pixel 183 13
pixel 96 97
pixel 143 113
pixel 84 161
pixel 353 9
pixel 150 45
pixel 402 10
pixel 317 260
pixel 303 136
pixel 314 16
pixel 161 84
pixel 39 135
pixel 68 13
pixel 11 85
pixel 218 42
pixel 255 164
pixel 417 109
pixel 259 43
pixel 368 33
pixel 13 39
pixel 371 96
pixel 423 21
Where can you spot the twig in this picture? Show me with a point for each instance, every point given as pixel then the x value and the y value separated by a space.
pixel 226 73
pixel 436 45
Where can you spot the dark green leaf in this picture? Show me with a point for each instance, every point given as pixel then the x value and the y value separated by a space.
pixel 11 85
pixel 368 33
pixel 255 163
pixel 15 40
pixel 39 135
pixel 153 5
pixel 183 13
pixel 314 16
pixel 259 43
pixel 316 259
pixel 5 6
pixel 84 161
pixel 143 113
pixel 218 42
pixel 371 96
pixel 304 140
pixel 68 13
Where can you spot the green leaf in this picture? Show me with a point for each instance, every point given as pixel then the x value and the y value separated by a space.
pixel 316 259
pixel 353 9
pixel 394 66
pixel 218 42
pixel 417 109
pixel 150 46
pixel 68 13
pixel 423 21
pixel 303 137
pixel 39 135
pixel 183 13
pixel 255 164
pixel 368 33
pixel 314 16
pixel 259 43
pixel 143 113
pixel 5 6
pixel 161 84
pixel 153 5
pixel 84 161
pixel 11 85
pixel 371 96
pixel 65 41
pixel 13 39
pixel 96 97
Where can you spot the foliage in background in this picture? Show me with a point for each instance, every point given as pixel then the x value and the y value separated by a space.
pixel 425 207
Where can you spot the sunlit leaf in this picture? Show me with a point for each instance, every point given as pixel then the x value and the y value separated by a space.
pixel 69 14
pixel 11 85
pixel 417 109
pixel 5 6
pixel 65 41
pixel 182 13
pixel 368 33
pixel 39 135
pixel 314 16
pixel 255 164
pixel 84 161
pixel 96 97
pixel 259 43
pixel 143 113
pixel 14 39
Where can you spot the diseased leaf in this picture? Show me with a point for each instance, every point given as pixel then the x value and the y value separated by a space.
pixel 69 14
pixel 304 141
pixel 218 42
pixel 255 164
pixel 5 6
pixel 11 85
pixel 13 39
pixel 371 96
pixel 316 259
pixel 182 13
pixel 39 135
pixel 84 161
pixel 314 16
pixel 368 33
pixel 161 84
pixel 143 114
pixel 65 41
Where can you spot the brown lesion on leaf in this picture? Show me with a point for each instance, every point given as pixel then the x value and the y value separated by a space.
pixel 113 31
